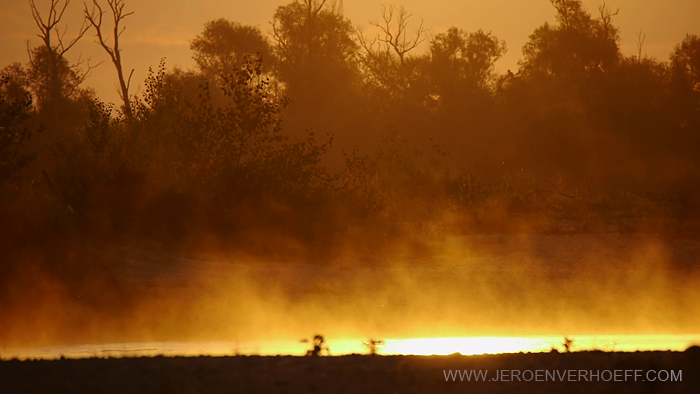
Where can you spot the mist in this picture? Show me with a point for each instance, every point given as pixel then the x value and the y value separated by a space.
pixel 469 287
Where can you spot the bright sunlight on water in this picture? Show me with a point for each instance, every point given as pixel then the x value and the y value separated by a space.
pixel 409 346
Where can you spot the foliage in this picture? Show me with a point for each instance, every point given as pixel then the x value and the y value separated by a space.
pixel 310 31
pixel 315 47
pixel 93 178
pixel 15 108
pixel 577 45
pixel 223 45
pixel 394 180
pixel 238 150
pixel 685 66
pixel 458 56
pixel 51 76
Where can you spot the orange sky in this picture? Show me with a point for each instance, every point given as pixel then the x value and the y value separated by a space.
pixel 161 28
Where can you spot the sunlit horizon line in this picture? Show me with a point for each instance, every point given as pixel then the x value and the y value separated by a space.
pixel 429 346
pixel 539 344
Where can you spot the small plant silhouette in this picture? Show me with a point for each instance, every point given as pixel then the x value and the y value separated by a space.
pixel 373 345
pixel 318 346
pixel 567 344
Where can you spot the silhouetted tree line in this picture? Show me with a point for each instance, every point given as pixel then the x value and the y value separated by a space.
pixel 231 146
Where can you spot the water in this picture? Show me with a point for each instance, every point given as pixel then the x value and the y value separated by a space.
pixel 405 346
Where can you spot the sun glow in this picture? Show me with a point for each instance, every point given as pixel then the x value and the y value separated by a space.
pixel 466 346
pixel 339 347
pixel 495 345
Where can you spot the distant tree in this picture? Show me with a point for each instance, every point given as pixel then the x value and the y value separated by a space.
pixel 15 108
pixel 102 169
pixel 54 80
pixel 94 17
pixel 462 85
pixel 576 45
pixel 315 47
pixel 385 57
pixel 317 69
pixel 460 56
pixel 394 32
pixel 685 61
pixel 238 151
pixel 164 103
pixel 48 28
pixel 223 45
pixel 16 82
pixel 630 109
pixel 685 68
pixel 396 78
pixel 558 100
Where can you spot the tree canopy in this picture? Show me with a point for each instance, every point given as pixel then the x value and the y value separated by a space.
pixel 223 45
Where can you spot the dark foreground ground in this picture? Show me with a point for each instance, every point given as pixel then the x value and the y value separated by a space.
pixel 350 374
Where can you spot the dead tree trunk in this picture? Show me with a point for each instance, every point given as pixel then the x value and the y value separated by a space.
pixel 95 18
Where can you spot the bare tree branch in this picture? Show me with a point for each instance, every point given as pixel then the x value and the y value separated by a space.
pixel 606 16
pixel 396 34
pixel 81 76
pixel 384 55
pixel 309 5
pixel 641 37
pixel 50 24
pixel 58 84
pixel 94 17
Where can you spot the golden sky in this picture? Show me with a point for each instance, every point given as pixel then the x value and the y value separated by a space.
pixel 161 28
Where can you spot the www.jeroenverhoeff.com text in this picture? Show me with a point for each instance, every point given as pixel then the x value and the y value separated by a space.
pixel 568 375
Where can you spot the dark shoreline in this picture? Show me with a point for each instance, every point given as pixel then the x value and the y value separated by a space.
pixel 352 373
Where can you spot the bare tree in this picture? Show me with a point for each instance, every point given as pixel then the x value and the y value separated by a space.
pixel 55 79
pixel 94 17
pixel 641 37
pixel 50 25
pixel 394 28
pixel 384 55
pixel 606 16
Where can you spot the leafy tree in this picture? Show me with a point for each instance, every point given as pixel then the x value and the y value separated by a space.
pixel 553 104
pixel 223 46
pixel 685 61
pixel 52 79
pixel 461 92
pixel 578 44
pixel 317 69
pixel 315 46
pixel 685 67
pixel 237 152
pixel 111 173
pixel 396 182
pixel 55 81
pixel 458 56
pixel 85 161
pixel 15 108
